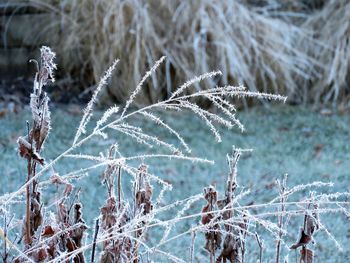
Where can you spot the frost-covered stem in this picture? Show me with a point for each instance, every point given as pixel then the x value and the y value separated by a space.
pixel 193 238
pixel 304 227
pixel 278 247
pixel 212 250
pixel 243 245
pixel 260 247
pixel 119 185
pixel 232 175
pixel 28 238
pixel 282 189
pixel 88 110
pixel 97 226
pixel 139 86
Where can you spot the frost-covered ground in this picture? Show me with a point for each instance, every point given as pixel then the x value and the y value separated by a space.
pixel 294 140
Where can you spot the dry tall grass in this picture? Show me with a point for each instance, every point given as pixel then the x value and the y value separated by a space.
pixel 284 47
pixel 331 32
pixel 298 48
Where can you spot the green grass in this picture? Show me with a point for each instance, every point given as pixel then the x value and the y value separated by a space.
pixel 285 139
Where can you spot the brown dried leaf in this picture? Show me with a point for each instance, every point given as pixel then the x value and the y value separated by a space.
pixel 303 240
pixel 26 151
pixel 56 179
pixel 306 255
pixel 41 255
pixel 109 213
pixel 48 231
pixel 213 239
pixel 62 213
pixel 206 218
pixel 71 246
pixel 213 235
pixel 312 224
pixel 231 250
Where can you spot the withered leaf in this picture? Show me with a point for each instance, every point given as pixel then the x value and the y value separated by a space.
pixel 63 213
pixel 48 231
pixel 231 250
pixel 312 221
pixel 26 151
pixel 303 240
pixel 306 255
pixel 56 179
pixel 41 255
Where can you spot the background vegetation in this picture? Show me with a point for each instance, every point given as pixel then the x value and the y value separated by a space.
pixel 296 48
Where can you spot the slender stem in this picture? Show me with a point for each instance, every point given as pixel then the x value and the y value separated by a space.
pixel 28 239
pixel 97 227
pixel 119 185
pixel 280 224
pixel 260 247
pixel 212 248
pixel 193 238
pixel 5 241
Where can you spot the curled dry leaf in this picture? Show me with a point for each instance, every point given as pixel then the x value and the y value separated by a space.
pixel 303 240
pixel 210 195
pixel 28 152
pixel 48 231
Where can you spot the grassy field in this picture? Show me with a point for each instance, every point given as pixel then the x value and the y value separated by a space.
pixel 299 141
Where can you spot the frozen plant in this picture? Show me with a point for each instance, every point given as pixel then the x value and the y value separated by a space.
pixel 122 228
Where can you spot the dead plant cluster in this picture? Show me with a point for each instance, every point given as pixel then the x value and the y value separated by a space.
pixel 123 230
